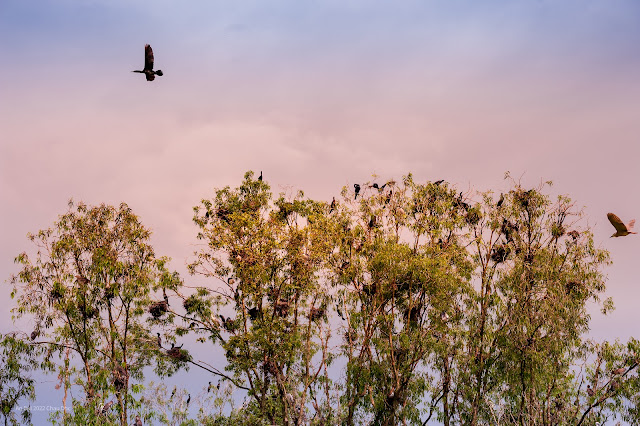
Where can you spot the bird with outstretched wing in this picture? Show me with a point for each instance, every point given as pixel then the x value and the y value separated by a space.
pixel 621 228
pixel 148 64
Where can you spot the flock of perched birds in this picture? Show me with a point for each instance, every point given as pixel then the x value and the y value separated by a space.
pixel 158 309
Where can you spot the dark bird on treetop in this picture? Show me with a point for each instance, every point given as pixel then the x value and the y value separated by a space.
pixel 209 388
pixel 375 185
pixel 333 205
pixel 501 200
pixel 188 400
pixel 621 228
pixel 438 182
pixel 357 189
pixel 148 65
pixel 260 177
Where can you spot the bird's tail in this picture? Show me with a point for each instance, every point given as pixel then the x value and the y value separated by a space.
pixel 630 226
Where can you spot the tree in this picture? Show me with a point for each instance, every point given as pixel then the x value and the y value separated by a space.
pixel 401 272
pixel 88 288
pixel 267 258
pixel 17 361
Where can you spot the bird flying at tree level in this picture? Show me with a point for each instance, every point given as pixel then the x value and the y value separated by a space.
pixel 621 228
pixel 148 64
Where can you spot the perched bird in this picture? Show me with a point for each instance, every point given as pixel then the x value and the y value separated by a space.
pixel 621 228
pixel 333 205
pixel 209 388
pixel 438 182
pixel 357 189
pixel 375 185
pixel 260 177
pixel 590 391
pixel 106 407
pixel 138 421
pixel 173 392
pixel 500 201
pixel 188 400
pixel 35 333
pixel 148 65
pixel 82 280
pixel 159 340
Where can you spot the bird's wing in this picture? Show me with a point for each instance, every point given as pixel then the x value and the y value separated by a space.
pixel 616 222
pixel 148 57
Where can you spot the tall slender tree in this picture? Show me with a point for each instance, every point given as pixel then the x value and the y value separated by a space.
pixel 87 289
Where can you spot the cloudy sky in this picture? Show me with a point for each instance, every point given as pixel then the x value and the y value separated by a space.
pixel 317 95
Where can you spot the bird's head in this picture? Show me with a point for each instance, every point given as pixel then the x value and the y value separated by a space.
pixel 159 72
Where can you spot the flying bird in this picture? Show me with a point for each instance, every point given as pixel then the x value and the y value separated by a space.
pixel 621 228
pixel 148 64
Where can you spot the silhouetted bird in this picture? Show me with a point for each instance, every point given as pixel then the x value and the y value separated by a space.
pixel 501 200
pixel 148 65
pixel 260 177
pixel 357 189
pixel 438 182
pixel 209 388
pixel 138 421
pixel 159 340
pixel 188 400
pixel 375 185
pixel 34 334
pixel 621 228
pixel 333 205
pixel 173 392
pixel 254 313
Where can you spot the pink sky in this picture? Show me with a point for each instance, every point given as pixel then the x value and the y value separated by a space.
pixel 318 98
